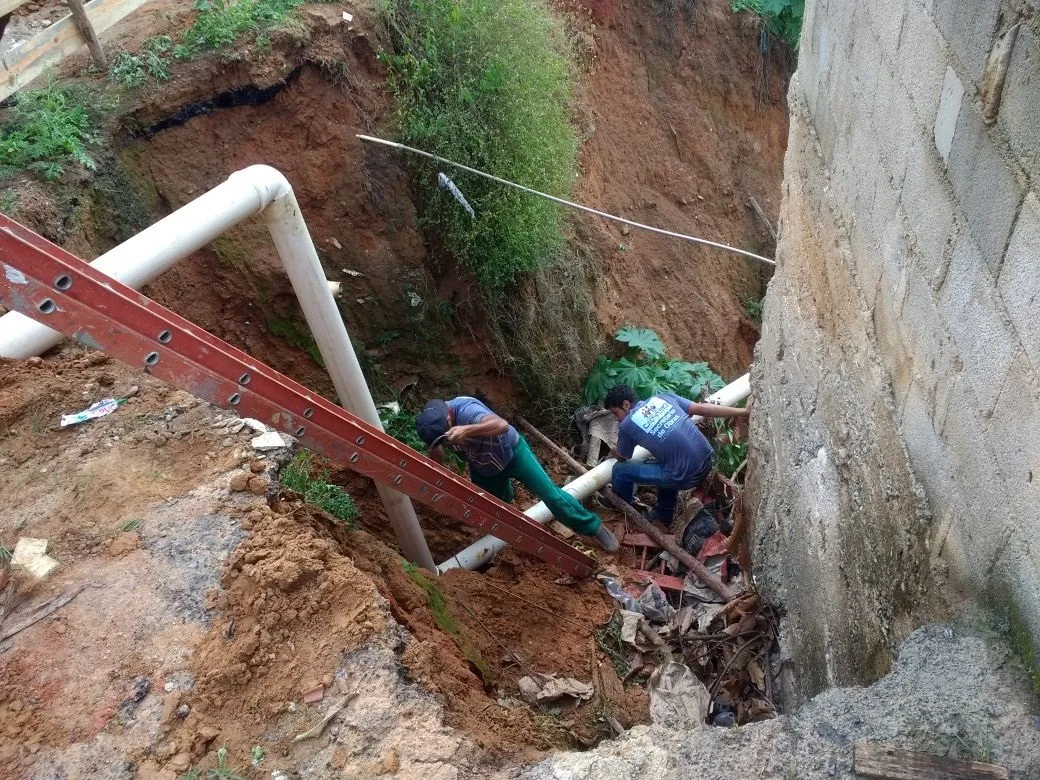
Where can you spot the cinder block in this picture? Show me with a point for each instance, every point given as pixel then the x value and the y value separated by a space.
pixel 867 238
pixel 886 21
pixel 1013 433
pixel 948 112
pixel 1020 103
pixel 809 80
pixel 929 454
pixel 987 187
pixel 893 121
pixel 1019 281
pixel 969 27
pixel 929 210
pixel 973 314
pixel 922 61
pixel 937 364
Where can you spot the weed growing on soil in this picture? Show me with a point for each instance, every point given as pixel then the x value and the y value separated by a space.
pixel 5 556
pixel 608 639
pixel 131 525
pixel 308 478
pixel 50 128
pixel 9 202
pixel 221 22
pixel 487 83
pixel 223 771
pixel 730 453
pixel 191 774
pixel 782 18
pixel 752 307
pixel 645 369
pixel 153 61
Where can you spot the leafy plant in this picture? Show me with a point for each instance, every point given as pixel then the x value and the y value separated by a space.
pixel 133 70
pixel 730 453
pixel 223 771
pixel 257 755
pixel 752 307
pixel 782 18
pixel 220 23
pixel 50 128
pixel 191 774
pixel 486 83
pixel 309 479
pixel 645 369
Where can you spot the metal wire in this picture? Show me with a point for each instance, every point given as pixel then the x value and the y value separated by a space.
pixel 563 202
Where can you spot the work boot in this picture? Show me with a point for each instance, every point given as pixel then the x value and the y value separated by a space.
pixel 607 539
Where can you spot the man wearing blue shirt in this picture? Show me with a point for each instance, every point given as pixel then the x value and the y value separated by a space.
pixel 683 457
pixel 497 454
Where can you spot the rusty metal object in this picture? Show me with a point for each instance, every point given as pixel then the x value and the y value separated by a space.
pixel 52 286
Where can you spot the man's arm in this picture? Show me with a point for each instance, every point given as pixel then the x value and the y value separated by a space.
pixel 716 410
pixel 489 425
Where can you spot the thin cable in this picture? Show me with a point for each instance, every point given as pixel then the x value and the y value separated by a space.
pixel 563 202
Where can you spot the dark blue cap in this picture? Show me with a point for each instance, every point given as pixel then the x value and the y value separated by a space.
pixel 432 421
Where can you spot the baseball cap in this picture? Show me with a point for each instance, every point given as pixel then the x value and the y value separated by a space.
pixel 432 421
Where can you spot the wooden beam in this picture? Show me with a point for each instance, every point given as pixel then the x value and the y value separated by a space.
pixel 24 63
pixel 889 763
pixel 86 29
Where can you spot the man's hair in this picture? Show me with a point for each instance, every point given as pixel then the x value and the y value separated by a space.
pixel 617 395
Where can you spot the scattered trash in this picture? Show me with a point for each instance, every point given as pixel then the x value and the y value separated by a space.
pixel 618 593
pixel 31 555
pixel 272 440
pixel 392 406
pixel 447 184
pixel 678 700
pixel 351 272
pixel 565 690
pixel 346 18
pixel 725 716
pixel 654 605
pixel 95 410
pixel 333 241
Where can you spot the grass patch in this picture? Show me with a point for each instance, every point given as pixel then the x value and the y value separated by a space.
pixel 152 63
pixel 445 621
pixel 487 83
pixel 220 23
pixel 752 307
pixel 309 478
pixel 50 129
pixel 131 525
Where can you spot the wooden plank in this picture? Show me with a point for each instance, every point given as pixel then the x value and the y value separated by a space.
pixel 7 6
pixel 890 763
pixel 86 30
pixel 24 63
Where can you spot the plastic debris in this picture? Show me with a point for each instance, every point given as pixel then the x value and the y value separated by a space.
pixel 447 184
pixel 654 604
pixel 678 700
pixel 545 687
pixel 31 555
pixel 95 410
pixel 618 593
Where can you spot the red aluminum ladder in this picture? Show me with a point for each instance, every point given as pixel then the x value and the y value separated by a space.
pixel 57 289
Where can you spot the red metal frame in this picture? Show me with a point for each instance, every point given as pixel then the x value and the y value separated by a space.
pixel 59 290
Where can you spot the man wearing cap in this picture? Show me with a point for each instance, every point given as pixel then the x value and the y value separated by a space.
pixel 497 454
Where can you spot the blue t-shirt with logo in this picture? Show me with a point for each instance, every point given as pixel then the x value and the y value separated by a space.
pixel 486 455
pixel 662 425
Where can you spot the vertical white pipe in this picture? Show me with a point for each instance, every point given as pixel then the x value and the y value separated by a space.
pixel 483 550
pixel 291 237
pixel 146 255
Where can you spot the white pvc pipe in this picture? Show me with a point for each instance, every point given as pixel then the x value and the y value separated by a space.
pixel 143 257
pixel 483 550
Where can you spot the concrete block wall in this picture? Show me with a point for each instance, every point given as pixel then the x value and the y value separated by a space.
pixel 932 179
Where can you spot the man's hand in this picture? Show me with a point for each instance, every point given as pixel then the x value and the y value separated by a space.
pixel 457 433
pixel 615 454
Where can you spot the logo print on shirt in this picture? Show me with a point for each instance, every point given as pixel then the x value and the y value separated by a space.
pixel 657 417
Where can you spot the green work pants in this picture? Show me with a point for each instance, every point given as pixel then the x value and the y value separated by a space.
pixel 525 469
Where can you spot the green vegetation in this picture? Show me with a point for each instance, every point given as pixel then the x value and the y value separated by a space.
pixel 445 621
pixel 257 755
pixel 608 639
pixel 309 478
pixel 401 425
pixel 131 525
pixel 645 369
pixel 152 62
pixel 730 453
pixel 486 83
pixel 782 18
pixel 221 22
pixel 5 555
pixel 50 128
pixel 295 332
pixel 752 307
pixel 223 771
